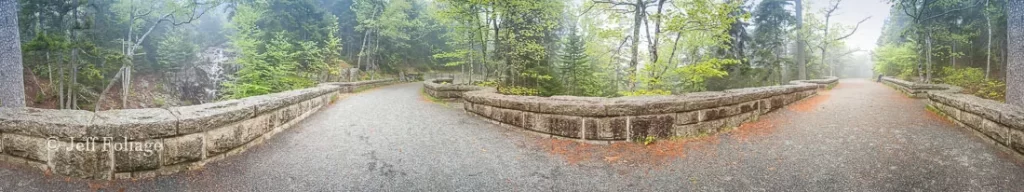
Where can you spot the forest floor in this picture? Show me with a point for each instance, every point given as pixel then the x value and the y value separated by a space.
pixel 148 91
pixel 860 136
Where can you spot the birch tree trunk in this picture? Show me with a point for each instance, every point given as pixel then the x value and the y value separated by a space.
pixel 362 49
pixel 928 58
pixel 988 46
pixel 12 85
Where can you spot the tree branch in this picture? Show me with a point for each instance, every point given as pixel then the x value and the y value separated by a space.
pixel 954 10
pixel 854 29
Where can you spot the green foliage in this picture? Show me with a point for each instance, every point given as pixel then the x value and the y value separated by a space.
pixel 773 23
pixel 487 84
pixel 518 90
pixel 454 58
pixel 397 34
pixel 160 102
pixel 973 81
pixel 646 92
pixel 951 33
pixel 275 59
pixel 647 140
pixel 522 43
pixel 176 50
pixel 545 81
pixel 697 74
pixel 995 90
pixel 896 60
pixel 962 76
pixel 576 71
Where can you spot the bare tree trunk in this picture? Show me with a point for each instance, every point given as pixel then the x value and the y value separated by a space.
pixel 126 85
pixel 72 89
pixel 920 63
pixel 71 81
pixel 1015 49
pixel 128 53
pixel 657 32
pixel 376 48
pixel 928 58
pixel 12 80
pixel 103 94
pixel 362 49
pixel 953 56
pixel 824 46
pixel 497 43
pixel 60 82
pixel 988 46
pixel 470 52
pixel 800 43
pixel 49 70
pixel 483 46
pixel 635 49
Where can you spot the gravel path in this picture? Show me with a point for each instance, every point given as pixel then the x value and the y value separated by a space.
pixel 861 136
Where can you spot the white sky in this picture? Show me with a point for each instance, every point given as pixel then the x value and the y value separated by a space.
pixel 852 11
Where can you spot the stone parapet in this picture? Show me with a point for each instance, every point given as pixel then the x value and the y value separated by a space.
pixel 635 117
pixel 442 88
pixel 918 90
pixel 1001 123
pixel 996 121
pixel 349 87
pixel 134 143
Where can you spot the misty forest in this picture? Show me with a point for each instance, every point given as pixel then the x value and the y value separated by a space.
pixel 116 54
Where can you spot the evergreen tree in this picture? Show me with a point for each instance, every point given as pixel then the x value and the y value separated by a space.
pixel 577 72
pixel 772 21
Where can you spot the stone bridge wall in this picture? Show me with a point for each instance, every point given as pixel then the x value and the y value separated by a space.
pixel 995 121
pixel 917 90
pixel 629 118
pixel 442 88
pixel 134 143
pixel 998 122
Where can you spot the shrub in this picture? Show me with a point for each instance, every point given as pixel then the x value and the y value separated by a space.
pixel 973 81
pixel 644 92
pixel 994 90
pixel 487 84
pixel 518 90
pixel 896 60
pixel 963 77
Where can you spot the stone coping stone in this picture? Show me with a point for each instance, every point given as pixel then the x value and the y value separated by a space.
pixel 360 83
pixel 435 84
pixel 45 122
pixel 635 105
pixel 134 124
pixel 1002 113
pixel 186 131
pixel 150 123
pixel 899 82
pixel 828 80
pixel 201 118
pixel 923 87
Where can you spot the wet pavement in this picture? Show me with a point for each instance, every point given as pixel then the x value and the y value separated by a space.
pixel 860 136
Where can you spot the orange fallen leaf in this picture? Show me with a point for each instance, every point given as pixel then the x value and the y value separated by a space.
pixel 612 158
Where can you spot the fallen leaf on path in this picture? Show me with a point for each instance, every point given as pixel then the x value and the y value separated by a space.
pixel 612 158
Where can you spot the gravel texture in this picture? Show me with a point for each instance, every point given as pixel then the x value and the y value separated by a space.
pixel 860 136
